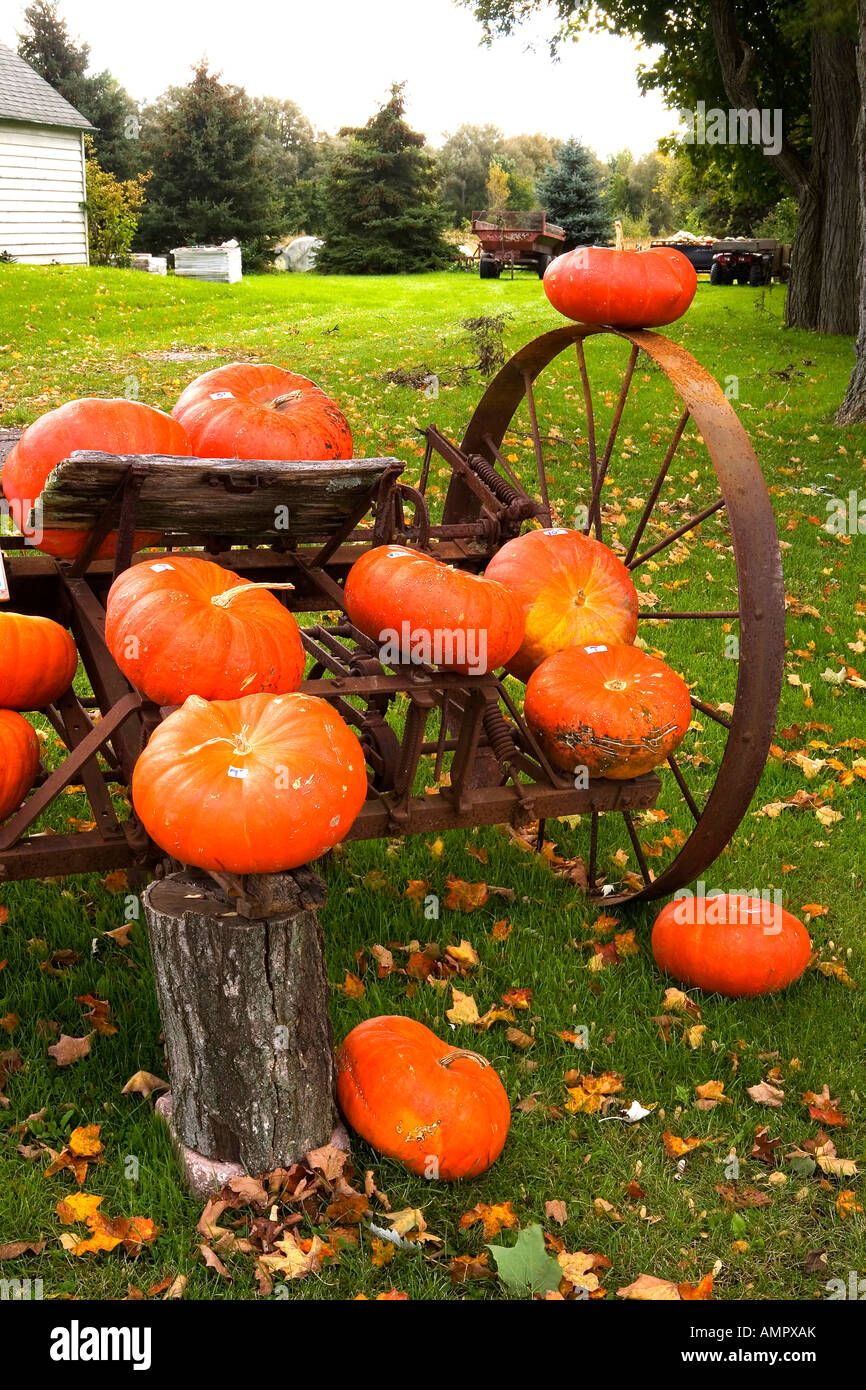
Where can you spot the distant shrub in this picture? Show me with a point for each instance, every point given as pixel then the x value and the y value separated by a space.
pixel 113 211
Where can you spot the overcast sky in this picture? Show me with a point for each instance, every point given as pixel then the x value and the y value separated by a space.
pixel 337 59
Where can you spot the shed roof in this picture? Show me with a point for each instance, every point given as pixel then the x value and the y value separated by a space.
pixel 25 96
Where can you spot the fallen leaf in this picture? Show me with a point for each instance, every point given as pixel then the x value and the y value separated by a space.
pixel 68 1050
pixel 143 1083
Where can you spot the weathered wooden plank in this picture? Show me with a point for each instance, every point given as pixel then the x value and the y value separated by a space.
pixel 247 498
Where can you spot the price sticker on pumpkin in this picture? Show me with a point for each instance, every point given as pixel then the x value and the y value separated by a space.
pixel 240 772
pixel 160 569
pixel 595 649
pixel 222 395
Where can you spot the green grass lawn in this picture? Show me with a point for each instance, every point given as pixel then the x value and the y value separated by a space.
pixel 67 333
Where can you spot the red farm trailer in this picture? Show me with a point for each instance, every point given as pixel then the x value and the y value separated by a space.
pixel 512 239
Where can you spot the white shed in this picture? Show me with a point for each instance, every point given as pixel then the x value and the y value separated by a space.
pixel 42 172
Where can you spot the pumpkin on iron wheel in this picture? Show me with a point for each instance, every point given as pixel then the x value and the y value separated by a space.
pixel 574 592
pixel 254 411
pixel 180 626
pixel 104 426
pixel 441 1111
pixel 730 944
pixel 625 289
pixel 37 661
pixel 252 786
pixel 19 760
pixel 612 709
pixel 432 613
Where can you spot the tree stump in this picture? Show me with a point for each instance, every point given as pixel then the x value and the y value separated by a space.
pixel 244 1007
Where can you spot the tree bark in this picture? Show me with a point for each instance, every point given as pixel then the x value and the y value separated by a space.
pixel 824 288
pixel 244 1007
pixel 853 408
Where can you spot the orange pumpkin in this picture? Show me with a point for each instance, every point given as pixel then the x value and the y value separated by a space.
pixel 730 944
pixel 19 760
pixel 439 1110
pixel 251 786
pixel 107 426
pixel 253 411
pixel 574 591
pixel 183 626
pixel 37 661
pixel 611 709
pixel 625 289
pixel 429 612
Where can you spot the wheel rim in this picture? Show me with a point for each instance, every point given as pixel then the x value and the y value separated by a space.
pixel 761 604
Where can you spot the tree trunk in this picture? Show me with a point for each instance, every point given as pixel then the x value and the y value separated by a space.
pixel 824 289
pixel 826 268
pixel 244 1007
pixel 853 408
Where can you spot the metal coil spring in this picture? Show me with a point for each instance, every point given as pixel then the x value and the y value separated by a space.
pixel 499 486
pixel 499 735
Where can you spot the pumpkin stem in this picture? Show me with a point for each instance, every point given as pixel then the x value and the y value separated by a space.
pixel 284 402
pixel 224 600
pixel 462 1052
pixel 620 245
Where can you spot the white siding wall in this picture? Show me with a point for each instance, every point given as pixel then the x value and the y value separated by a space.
pixel 41 191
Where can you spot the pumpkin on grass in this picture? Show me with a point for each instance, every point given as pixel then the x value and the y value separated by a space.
pixel 181 626
pixel 105 426
pixel 730 944
pixel 19 760
pixel 432 613
pixel 574 591
pixel 37 661
pixel 254 411
pixel 252 786
pixel 441 1111
pixel 611 709
pixel 625 289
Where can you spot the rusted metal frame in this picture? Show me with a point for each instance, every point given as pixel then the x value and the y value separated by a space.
pixel 712 712
pixel 467 746
pixel 556 779
pixel 77 727
pixel 102 528
pixel 536 443
pixel 657 485
pixel 443 743
pixel 410 755
pixel 595 501
pixel 88 851
pixel 71 767
pixel 107 680
pixel 498 805
pixel 383 487
pixel 328 587
pixel 689 525
pixel 460 465
pixel 421 519
pixel 639 854
pixel 681 783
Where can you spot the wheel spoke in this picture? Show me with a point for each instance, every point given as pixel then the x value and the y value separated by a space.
pixel 657 485
pixel 681 783
pixel 680 531
pixel 712 712
pixel 692 613
pixel 590 413
pixel 539 456
pixel 595 504
pixel 593 852
pixel 629 825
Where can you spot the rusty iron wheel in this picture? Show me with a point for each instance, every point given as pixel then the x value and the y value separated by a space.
pixel 761 603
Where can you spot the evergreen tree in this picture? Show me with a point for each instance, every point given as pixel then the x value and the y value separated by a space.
pixel 210 179
pixel 49 48
pixel 570 189
pixel 382 214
